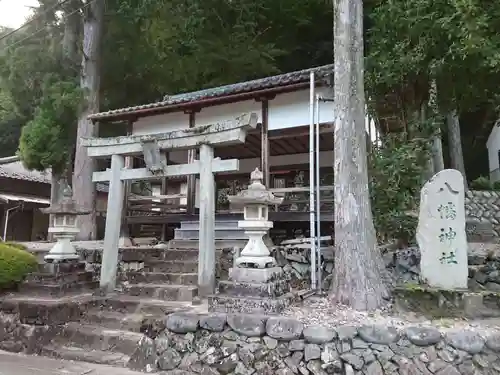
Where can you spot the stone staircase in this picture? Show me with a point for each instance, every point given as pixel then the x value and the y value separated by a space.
pixel 108 329
pixel 57 280
pixel 227 235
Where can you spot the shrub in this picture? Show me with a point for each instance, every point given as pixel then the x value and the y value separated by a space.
pixel 15 264
pixel 481 183
pixel 396 169
pixel 496 185
pixel 16 245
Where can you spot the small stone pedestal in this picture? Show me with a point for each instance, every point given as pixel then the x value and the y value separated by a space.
pixel 63 271
pixel 256 284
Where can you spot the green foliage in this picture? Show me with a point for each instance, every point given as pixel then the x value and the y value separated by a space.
pixel 455 43
pixel 46 140
pixel 484 183
pixel 16 245
pixel 496 185
pixel 10 124
pixel 396 169
pixel 15 264
pixel 167 47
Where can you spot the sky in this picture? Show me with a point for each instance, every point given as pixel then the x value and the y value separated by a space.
pixel 13 13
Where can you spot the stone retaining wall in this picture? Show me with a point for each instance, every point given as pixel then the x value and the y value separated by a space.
pixel 246 345
pixel 295 258
pixel 484 267
pixel 22 338
pixel 485 206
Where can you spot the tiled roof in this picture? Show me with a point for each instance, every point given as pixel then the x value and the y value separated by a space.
pixel 12 167
pixel 17 171
pixel 219 92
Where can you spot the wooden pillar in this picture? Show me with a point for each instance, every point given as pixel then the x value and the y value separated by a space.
pixel 113 223
pixel 264 149
pixel 191 179
pixel 206 254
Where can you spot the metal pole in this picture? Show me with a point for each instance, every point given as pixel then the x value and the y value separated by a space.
pixel 7 221
pixel 318 199
pixel 312 221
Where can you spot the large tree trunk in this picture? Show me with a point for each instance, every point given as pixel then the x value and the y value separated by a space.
pixel 455 143
pixel 437 153
pixel 83 187
pixel 70 53
pixel 437 144
pixel 358 280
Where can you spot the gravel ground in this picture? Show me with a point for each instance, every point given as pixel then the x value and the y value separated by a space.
pixel 317 310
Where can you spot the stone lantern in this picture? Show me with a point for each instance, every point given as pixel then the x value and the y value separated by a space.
pixel 256 283
pixel 64 227
pixel 256 201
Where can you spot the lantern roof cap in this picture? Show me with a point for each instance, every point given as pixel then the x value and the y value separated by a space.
pixel 66 205
pixel 256 193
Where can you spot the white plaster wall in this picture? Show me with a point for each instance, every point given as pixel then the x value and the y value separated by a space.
pixel 493 145
pixel 286 110
pixel 291 109
pixel 161 123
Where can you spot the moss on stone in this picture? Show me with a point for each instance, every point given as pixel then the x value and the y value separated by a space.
pixel 442 303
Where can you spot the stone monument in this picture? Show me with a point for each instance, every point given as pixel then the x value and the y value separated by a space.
pixel 441 233
pixel 256 284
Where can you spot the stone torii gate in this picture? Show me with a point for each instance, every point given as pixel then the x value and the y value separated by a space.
pixel 153 147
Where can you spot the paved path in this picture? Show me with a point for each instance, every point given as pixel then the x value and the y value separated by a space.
pixel 19 364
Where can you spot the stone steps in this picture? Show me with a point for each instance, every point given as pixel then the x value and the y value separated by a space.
pixel 41 277
pixel 220 234
pixel 138 254
pixel 122 321
pixel 195 225
pixel 180 254
pixel 94 337
pixel 57 290
pixel 220 244
pixel 72 353
pixel 270 289
pixel 140 305
pixel 246 304
pixel 173 266
pixel 165 292
pixel 139 277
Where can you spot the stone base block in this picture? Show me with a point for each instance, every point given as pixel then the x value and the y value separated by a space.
pixel 271 289
pixel 61 267
pixel 255 275
pixel 58 289
pixel 50 312
pixel 440 303
pixel 479 231
pixel 58 279
pixel 249 305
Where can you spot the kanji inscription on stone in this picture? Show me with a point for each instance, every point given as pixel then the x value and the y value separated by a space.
pixel 441 233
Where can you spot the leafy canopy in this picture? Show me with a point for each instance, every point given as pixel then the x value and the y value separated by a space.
pixel 46 140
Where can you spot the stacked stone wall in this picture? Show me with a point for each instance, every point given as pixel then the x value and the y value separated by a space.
pixel 484 206
pixel 23 338
pixel 246 345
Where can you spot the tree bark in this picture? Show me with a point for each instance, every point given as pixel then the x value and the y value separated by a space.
pixel 83 187
pixel 455 143
pixel 358 280
pixel 69 54
pixel 437 144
